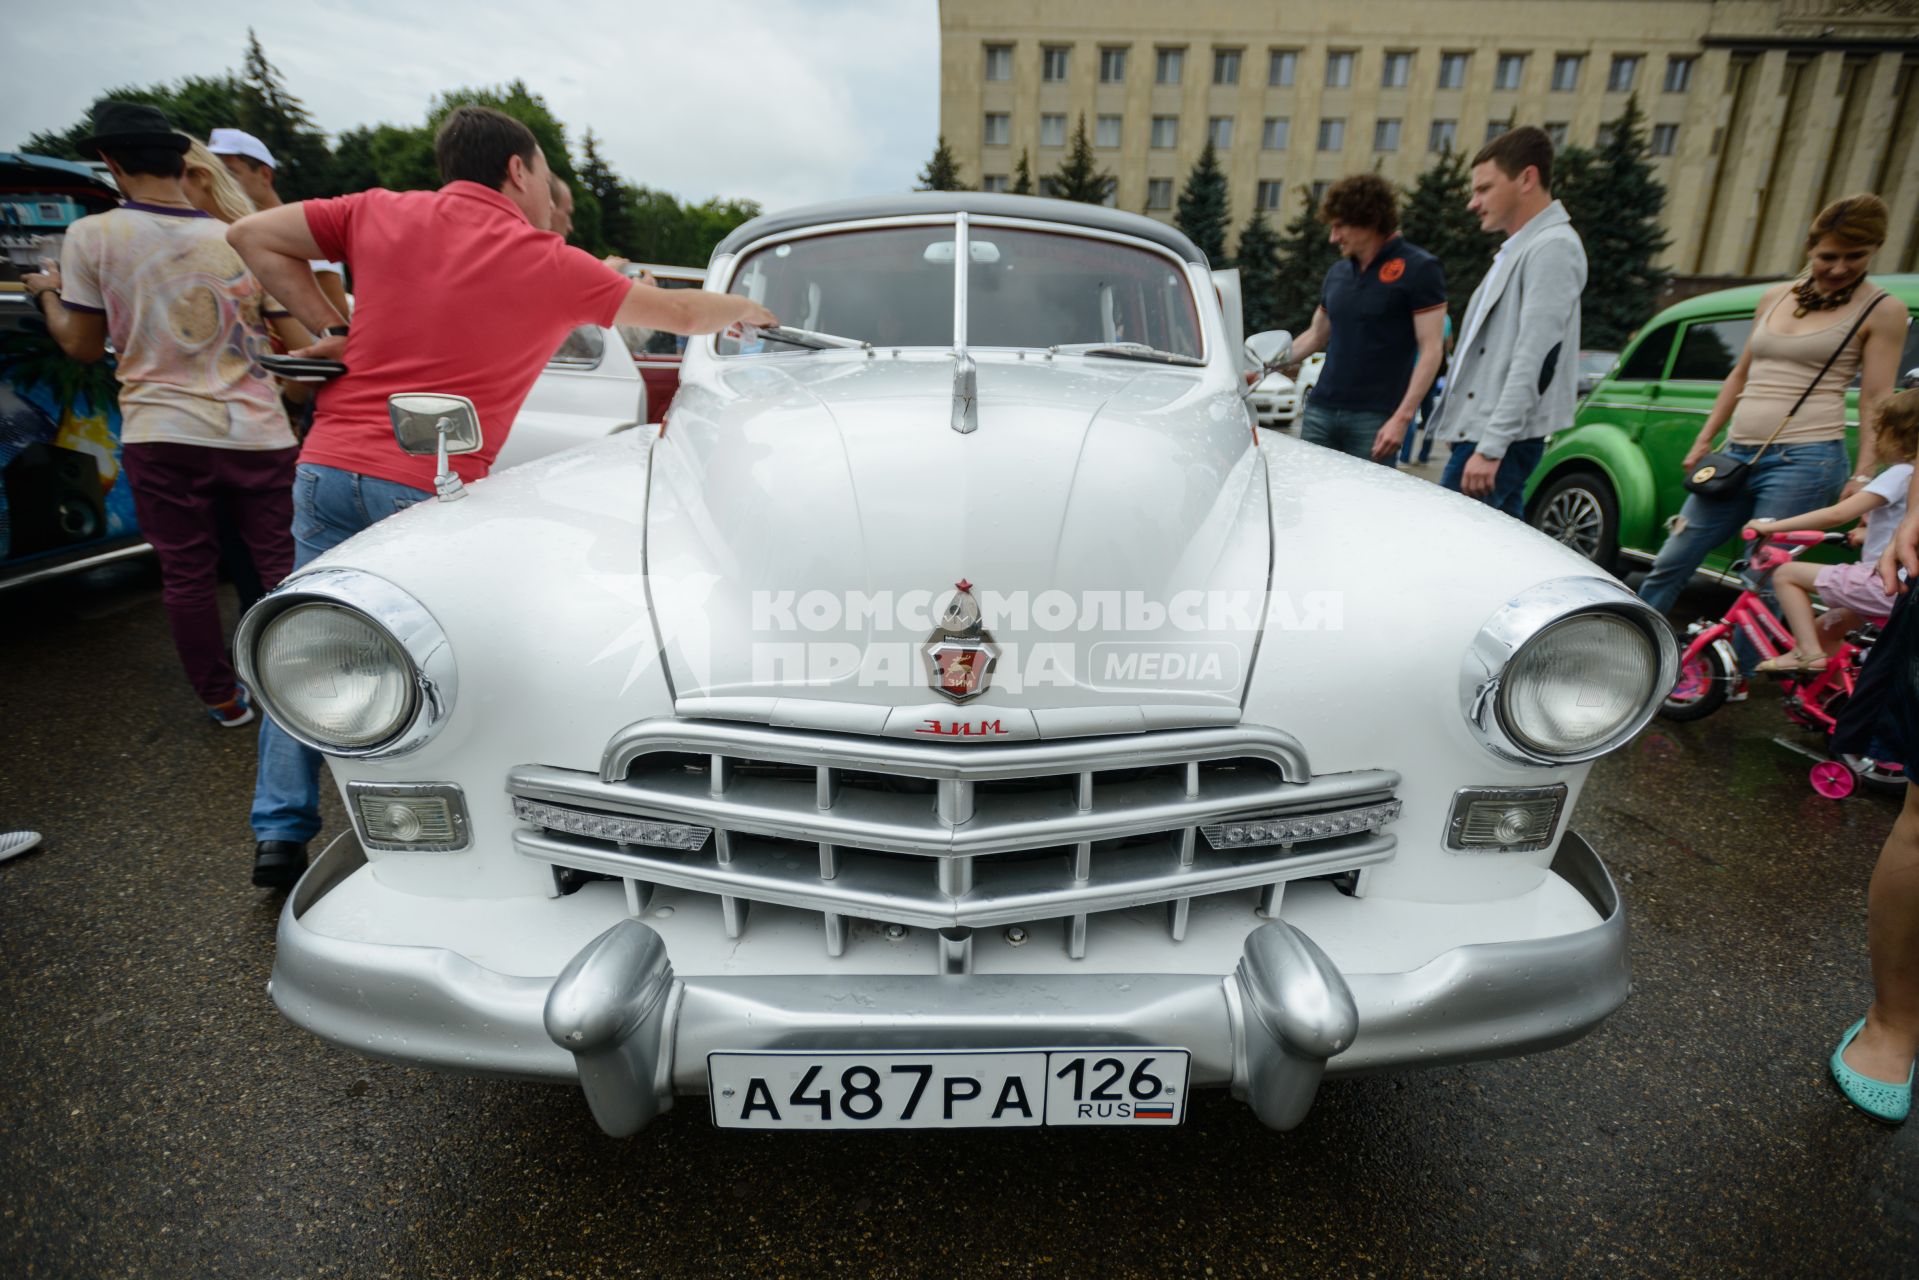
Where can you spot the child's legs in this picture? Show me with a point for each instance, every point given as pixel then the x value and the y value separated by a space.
pixel 1792 584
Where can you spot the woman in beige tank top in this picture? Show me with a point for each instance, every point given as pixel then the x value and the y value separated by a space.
pixel 1798 325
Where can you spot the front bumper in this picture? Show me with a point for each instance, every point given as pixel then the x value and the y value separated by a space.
pixel 633 1033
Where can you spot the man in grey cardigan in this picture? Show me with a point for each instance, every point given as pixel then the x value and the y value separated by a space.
pixel 1515 368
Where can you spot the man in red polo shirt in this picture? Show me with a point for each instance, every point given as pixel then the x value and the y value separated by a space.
pixel 462 290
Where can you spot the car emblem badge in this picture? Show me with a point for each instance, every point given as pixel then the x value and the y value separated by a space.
pixel 960 654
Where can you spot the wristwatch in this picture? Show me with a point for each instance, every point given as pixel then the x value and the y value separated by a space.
pixel 1863 479
pixel 334 331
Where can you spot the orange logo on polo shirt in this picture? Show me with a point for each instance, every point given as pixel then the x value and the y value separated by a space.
pixel 1392 270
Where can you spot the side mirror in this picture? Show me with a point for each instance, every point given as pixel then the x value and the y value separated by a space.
pixel 442 425
pixel 1273 347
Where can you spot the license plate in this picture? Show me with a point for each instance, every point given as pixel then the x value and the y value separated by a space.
pixel 1009 1088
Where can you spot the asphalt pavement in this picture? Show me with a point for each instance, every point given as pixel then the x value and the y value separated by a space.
pixel 161 1119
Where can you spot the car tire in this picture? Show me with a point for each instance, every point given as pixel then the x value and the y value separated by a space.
pixel 1703 685
pixel 1578 509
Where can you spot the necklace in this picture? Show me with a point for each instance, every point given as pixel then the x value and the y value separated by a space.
pixel 1810 299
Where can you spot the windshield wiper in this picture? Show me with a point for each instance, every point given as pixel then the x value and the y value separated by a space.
pixel 812 340
pixel 1125 351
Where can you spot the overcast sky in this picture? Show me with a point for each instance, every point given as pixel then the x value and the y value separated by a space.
pixel 780 101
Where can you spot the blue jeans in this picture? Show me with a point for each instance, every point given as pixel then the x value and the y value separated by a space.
pixel 1347 430
pixel 329 506
pixel 1784 482
pixel 1509 485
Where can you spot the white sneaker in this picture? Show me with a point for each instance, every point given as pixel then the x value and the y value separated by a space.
pixel 15 843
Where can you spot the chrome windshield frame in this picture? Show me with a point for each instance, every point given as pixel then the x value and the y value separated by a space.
pixel 963 224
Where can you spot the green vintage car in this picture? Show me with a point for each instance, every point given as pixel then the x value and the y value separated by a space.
pixel 1608 484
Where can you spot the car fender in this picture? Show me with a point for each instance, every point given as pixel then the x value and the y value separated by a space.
pixel 1609 450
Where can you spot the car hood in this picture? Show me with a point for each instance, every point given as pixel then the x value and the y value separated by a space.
pixel 808 520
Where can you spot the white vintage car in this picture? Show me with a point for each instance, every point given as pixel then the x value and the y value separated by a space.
pixel 955 714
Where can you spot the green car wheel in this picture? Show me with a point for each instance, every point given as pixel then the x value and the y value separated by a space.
pixel 1579 509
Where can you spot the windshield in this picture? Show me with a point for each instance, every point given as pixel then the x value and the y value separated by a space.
pixel 893 287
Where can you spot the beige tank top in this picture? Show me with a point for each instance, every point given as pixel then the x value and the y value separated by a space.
pixel 1783 366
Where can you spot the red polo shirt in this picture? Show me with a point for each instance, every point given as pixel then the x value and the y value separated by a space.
pixel 454 291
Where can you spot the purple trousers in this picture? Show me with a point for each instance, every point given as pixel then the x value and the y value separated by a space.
pixel 178 490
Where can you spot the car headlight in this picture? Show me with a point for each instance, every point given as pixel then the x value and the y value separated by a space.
pixel 347 663
pixel 1567 671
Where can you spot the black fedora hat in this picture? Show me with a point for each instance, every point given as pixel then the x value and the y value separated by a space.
pixel 130 124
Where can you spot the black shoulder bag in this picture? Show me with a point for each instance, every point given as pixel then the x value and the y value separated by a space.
pixel 1720 475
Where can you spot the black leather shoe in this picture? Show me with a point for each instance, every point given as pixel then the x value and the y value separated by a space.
pixel 278 863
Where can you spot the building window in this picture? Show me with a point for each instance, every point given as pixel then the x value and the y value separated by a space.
pixel 993 182
pixel 1509 71
pixel 1444 136
pixel 1319 192
pixel 1226 66
pixel 1556 133
pixel 1452 70
pixel 1566 71
pixel 1496 127
pixel 999 128
pixel 1112 66
pixel 1052 63
pixel 999 62
pixel 1165 132
pixel 1665 139
pixel 1219 132
pixel 1052 131
pixel 1168 66
pixel 1679 74
pixel 1267 196
pixel 1625 70
pixel 1386 135
pixel 1282 65
pixel 1159 193
pixel 1276 132
pixel 1332 135
pixel 1339 70
pixel 1397 72
pixel 1049 186
pixel 1604 139
pixel 1106 131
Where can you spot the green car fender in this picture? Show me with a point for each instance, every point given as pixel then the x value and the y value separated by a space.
pixel 1609 450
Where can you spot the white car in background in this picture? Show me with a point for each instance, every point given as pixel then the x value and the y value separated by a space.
pixel 956 715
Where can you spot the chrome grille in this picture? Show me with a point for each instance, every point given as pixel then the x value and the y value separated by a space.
pixel 952 837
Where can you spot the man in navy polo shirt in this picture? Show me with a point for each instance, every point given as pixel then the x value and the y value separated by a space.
pixel 1379 322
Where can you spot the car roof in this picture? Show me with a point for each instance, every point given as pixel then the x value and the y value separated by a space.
pixel 1745 298
pixel 995 204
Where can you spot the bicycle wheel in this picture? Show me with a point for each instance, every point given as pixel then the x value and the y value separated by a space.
pixel 1703 685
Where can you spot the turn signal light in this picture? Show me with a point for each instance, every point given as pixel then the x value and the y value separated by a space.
pixel 1505 819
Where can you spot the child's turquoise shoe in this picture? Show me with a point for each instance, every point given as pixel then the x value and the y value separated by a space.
pixel 1878 1099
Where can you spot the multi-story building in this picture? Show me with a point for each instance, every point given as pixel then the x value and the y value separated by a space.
pixel 1758 111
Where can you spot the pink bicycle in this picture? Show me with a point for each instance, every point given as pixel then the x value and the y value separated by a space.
pixel 1708 668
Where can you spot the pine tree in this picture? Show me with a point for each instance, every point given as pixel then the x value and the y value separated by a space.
pixel 1022 177
pixel 1203 205
pixel 604 185
pixel 270 112
pixel 1258 261
pixel 1436 219
pixel 1615 200
pixel 1305 255
pixel 1079 176
pixel 942 172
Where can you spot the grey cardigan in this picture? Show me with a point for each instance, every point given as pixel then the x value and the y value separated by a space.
pixel 1515 371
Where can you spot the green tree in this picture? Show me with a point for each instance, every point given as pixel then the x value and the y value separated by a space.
pixel 1022 177
pixel 613 214
pixel 942 172
pixel 272 113
pixel 1203 205
pixel 1305 255
pixel 197 105
pixel 1257 258
pixel 1614 200
pixel 1435 218
pixel 1079 176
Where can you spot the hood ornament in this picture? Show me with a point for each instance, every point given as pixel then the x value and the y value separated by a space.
pixel 960 654
pixel 965 394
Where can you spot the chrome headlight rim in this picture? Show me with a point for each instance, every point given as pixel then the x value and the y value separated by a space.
pixel 1526 618
pixel 403 620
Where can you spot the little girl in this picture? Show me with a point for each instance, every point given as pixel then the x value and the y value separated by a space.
pixel 1847 586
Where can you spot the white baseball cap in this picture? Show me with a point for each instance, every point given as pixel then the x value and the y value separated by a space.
pixel 238 142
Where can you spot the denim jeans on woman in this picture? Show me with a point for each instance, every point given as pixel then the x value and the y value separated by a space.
pixel 1783 482
pixel 329 506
